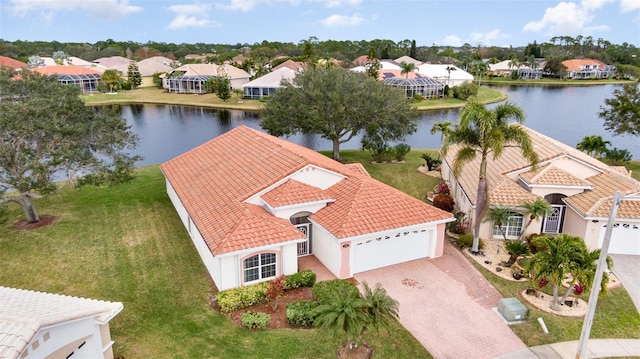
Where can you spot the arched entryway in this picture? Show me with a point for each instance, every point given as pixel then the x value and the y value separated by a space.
pixel 301 221
pixel 554 221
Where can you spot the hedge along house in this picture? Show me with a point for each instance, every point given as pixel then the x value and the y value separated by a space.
pixel 579 188
pixel 253 203
pixel 44 325
pixel 192 77
pixel 85 79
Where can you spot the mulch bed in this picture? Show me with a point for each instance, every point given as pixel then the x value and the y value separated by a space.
pixel 45 220
pixel 278 316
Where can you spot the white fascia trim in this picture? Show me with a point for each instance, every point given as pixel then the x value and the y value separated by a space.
pixel 261 248
pixel 390 231
pixel 564 155
pixel 297 205
pixel 557 186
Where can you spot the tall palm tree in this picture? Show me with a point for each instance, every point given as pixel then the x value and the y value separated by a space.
pixel 499 215
pixel 483 132
pixel 407 67
pixel 558 259
pixel 449 69
pixel 442 127
pixel 535 210
pixel 593 145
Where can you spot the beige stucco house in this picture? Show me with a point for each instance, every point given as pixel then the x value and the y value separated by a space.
pixel 579 187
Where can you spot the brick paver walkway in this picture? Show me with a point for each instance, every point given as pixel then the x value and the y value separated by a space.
pixel 446 304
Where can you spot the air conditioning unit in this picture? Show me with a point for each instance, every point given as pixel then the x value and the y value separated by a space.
pixel 512 310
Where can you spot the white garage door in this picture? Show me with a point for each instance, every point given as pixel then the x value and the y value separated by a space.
pixel 625 238
pixel 385 251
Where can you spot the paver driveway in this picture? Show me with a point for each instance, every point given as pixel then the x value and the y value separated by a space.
pixel 446 304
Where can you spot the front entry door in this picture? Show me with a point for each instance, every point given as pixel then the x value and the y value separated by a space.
pixel 553 221
pixel 304 248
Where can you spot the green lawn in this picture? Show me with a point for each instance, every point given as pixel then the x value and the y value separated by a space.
pixel 127 244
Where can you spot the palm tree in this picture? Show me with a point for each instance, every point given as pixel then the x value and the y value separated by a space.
pixel 487 132
pixel 593 145
pixel 442 127
pixel 499 215
pixel 407 67
pixel 584 271
pixel 346 314
pixel 534 211
pixel 449 69
pixel 558 260
pixel 381 308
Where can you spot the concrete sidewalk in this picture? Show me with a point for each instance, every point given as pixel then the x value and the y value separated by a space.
pixel 596 348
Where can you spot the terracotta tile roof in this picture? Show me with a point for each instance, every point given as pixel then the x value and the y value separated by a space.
pixel 24 312
pixel 9 62
pixel 364 205
pixel 65 70
pixel 579 64
pixel 597 202
pixel 552 175
pixel 512 160
pixel 215 178
pixel 358 168
pixel 290 64
pixel 294 192
pixel 510 194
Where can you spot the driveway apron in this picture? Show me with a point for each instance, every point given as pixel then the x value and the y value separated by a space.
pixel 447 305
pixel 627 268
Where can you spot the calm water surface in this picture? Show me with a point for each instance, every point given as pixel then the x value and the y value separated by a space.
pixel 565 113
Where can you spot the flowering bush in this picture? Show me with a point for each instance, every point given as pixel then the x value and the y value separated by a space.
pixel 441 188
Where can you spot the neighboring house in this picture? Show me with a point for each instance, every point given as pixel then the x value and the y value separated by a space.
pixel 293 65
pixel 147 68
pixel 588 69
pixel 360 60
pixel 455 76
pixel 412 83
pixel 112 62
pixel 69 61
pixel 43 325
pixel 191 78
pixel 268 84
pixel 13 63
pixel 506 68
pixel 387 64
pixel 196 57
pixel 252 203
pixel 579 188
pixel 408 60
pixel 84 78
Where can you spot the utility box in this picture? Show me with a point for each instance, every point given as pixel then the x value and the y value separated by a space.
pixel 512 310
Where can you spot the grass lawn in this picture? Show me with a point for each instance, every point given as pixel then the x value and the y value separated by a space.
pixel 127 244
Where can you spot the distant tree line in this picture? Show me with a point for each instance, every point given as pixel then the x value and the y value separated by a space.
pixel 345 51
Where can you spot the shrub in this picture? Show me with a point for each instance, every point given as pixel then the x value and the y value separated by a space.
pixel 460 225
pixel 400 151
pixel 417 97
pixel 516 249
pixel 275 290
pixel 466 241
pixel 255 320
pixel 238 298
pixel 432 162
pixel 464 91
pixel 305 278
pixel 444 202
pixel 442 187
pixel 301 313
pixel 322 290
pixel 534 245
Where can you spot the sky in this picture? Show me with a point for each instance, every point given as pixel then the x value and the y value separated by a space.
pixel 428 22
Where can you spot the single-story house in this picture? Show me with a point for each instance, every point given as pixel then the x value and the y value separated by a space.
pixel 588 69
pixel 253 203
pixel 268 84
pixel 190 78
pixel 408 60
pixel 44 325
pixel 112 61
pixel 293 65
pixel 13 63
pixel 506 67
pixel 412 83
pixel 85 78
pixel 579 188
pixel 147 68
pixel 448 74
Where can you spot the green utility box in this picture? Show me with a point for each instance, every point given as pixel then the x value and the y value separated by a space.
pixel 512 310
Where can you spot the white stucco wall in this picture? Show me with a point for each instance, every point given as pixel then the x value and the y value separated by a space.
pixel 327 249
pixel 317 177
pixel 61 339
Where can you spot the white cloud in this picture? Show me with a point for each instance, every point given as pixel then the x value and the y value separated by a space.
pixel 488 38
pixel 183 21
pixel 451 40
pixel 338 3
pixel 342 20
pixel 191 15
pixel 595 4
pixel 629 5
pixel 247 5
pixel 566 18
pixel 110 9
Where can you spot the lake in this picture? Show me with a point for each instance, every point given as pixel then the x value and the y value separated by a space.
pixel 565 113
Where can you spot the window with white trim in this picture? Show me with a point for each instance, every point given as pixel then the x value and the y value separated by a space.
pixel 512 228
pixel 260 266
